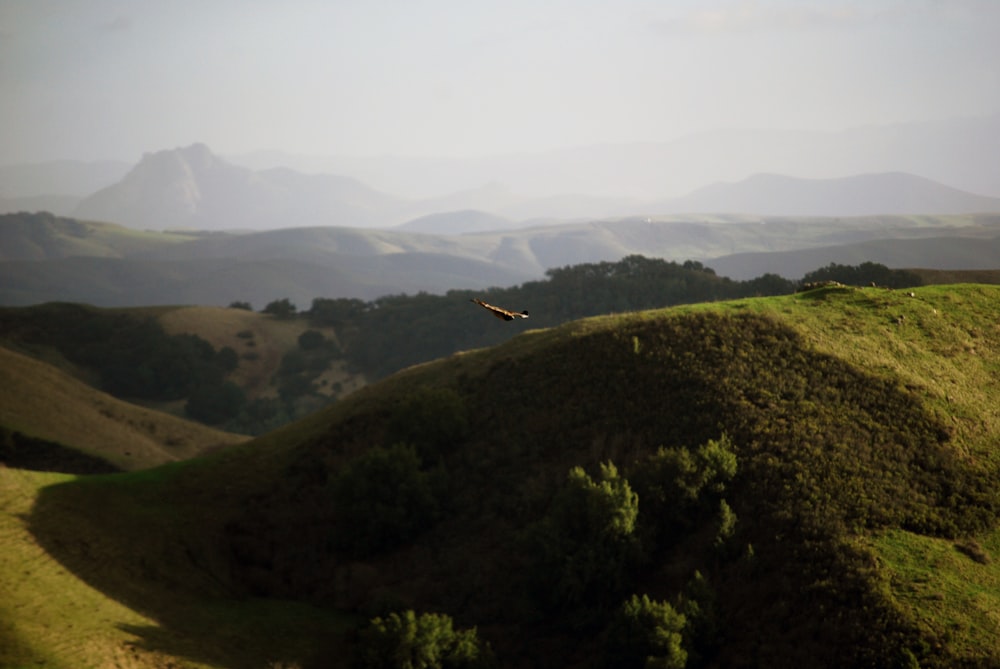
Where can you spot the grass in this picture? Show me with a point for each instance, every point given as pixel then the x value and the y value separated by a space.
pixel 259 339
pixel 38 400
pixel 52 614
pixel 539 403
pixel 950 590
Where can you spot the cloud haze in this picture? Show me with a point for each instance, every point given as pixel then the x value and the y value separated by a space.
pixel 91 79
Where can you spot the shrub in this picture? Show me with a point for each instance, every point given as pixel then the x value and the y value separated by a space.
pixel 428 641
pixel 282 308
pixel 432 419
pixel 382 499
pixel 586 543
pixel 679 486
pixel 311 339
pixel 646 634
pixel 213 404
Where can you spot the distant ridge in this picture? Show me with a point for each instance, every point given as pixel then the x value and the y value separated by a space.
pixel 47 258
pixel 890 193
pixel 456 222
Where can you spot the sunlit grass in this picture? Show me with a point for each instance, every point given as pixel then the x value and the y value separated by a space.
pixel 950 590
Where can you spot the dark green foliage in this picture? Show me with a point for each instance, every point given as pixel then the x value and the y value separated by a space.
pixel 311 340
pixel 381 500
pixel 867 273
pixel 227 359
pixel 699 605
pixel 282 308
pixel 397 331
pixel 335 312
pixel 679 488
pixel 435 420
pixel 646 634
pixel 586 544
pixel 215 404
pixel 131 353
pixel 246 306
pixel 428 641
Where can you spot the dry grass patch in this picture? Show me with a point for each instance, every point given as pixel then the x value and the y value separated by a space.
pixel 41 401
pixel 260 341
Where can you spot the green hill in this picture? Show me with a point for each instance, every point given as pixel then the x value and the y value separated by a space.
pixel 52 421
pixel 809 480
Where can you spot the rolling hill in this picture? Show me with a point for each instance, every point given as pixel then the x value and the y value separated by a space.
pixel 55 259
pixel 40 403
pixel 809 480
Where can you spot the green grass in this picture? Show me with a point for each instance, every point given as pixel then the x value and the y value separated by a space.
pixel 864 426
pixel 949 590
pixel 39 400
pixel 67 613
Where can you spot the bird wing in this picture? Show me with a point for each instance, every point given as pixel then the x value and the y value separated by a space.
pixel 497 311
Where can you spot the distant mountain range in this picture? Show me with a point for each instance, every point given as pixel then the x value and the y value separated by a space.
pixel 861 195
pixel 948 167
pixel 963 153
pixel 47 258
pixel 193 189
pixel 240 229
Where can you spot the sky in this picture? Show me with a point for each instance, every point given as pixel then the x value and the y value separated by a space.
pixel 113 79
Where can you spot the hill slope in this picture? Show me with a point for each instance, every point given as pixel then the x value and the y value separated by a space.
pixel 860 195
pixel 304 263
pixel 41 402
pixel 861 425
pixel 192 188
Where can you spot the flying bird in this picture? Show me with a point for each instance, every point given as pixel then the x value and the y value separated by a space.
pixel 500 313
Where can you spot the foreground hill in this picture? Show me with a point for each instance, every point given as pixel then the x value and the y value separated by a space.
pixel 807 480
pixel 50 419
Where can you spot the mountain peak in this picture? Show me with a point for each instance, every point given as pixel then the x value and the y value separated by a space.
pixel 196 157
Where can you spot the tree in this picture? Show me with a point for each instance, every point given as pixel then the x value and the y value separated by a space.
pixel 335 312
pixel 213 404
pixel 679 486
pixel 311 340
pixel 428 641
pixel 282 308
pixel 587 543
pixel 241 305
pixel 382 499
pixel 646 634
pixel 434 420
pixel 864 274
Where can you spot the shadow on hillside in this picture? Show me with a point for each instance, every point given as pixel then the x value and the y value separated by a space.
pixel 23 452
pixel 198 620
pixel 826 450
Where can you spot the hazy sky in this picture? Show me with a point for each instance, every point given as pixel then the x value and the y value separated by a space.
pixel 90 79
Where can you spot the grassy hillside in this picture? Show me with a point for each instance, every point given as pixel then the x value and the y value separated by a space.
pixel 814 482
pixel 54 617
pixel 262 342
pixel 41 402
pixel 235 369
pixel 42 236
